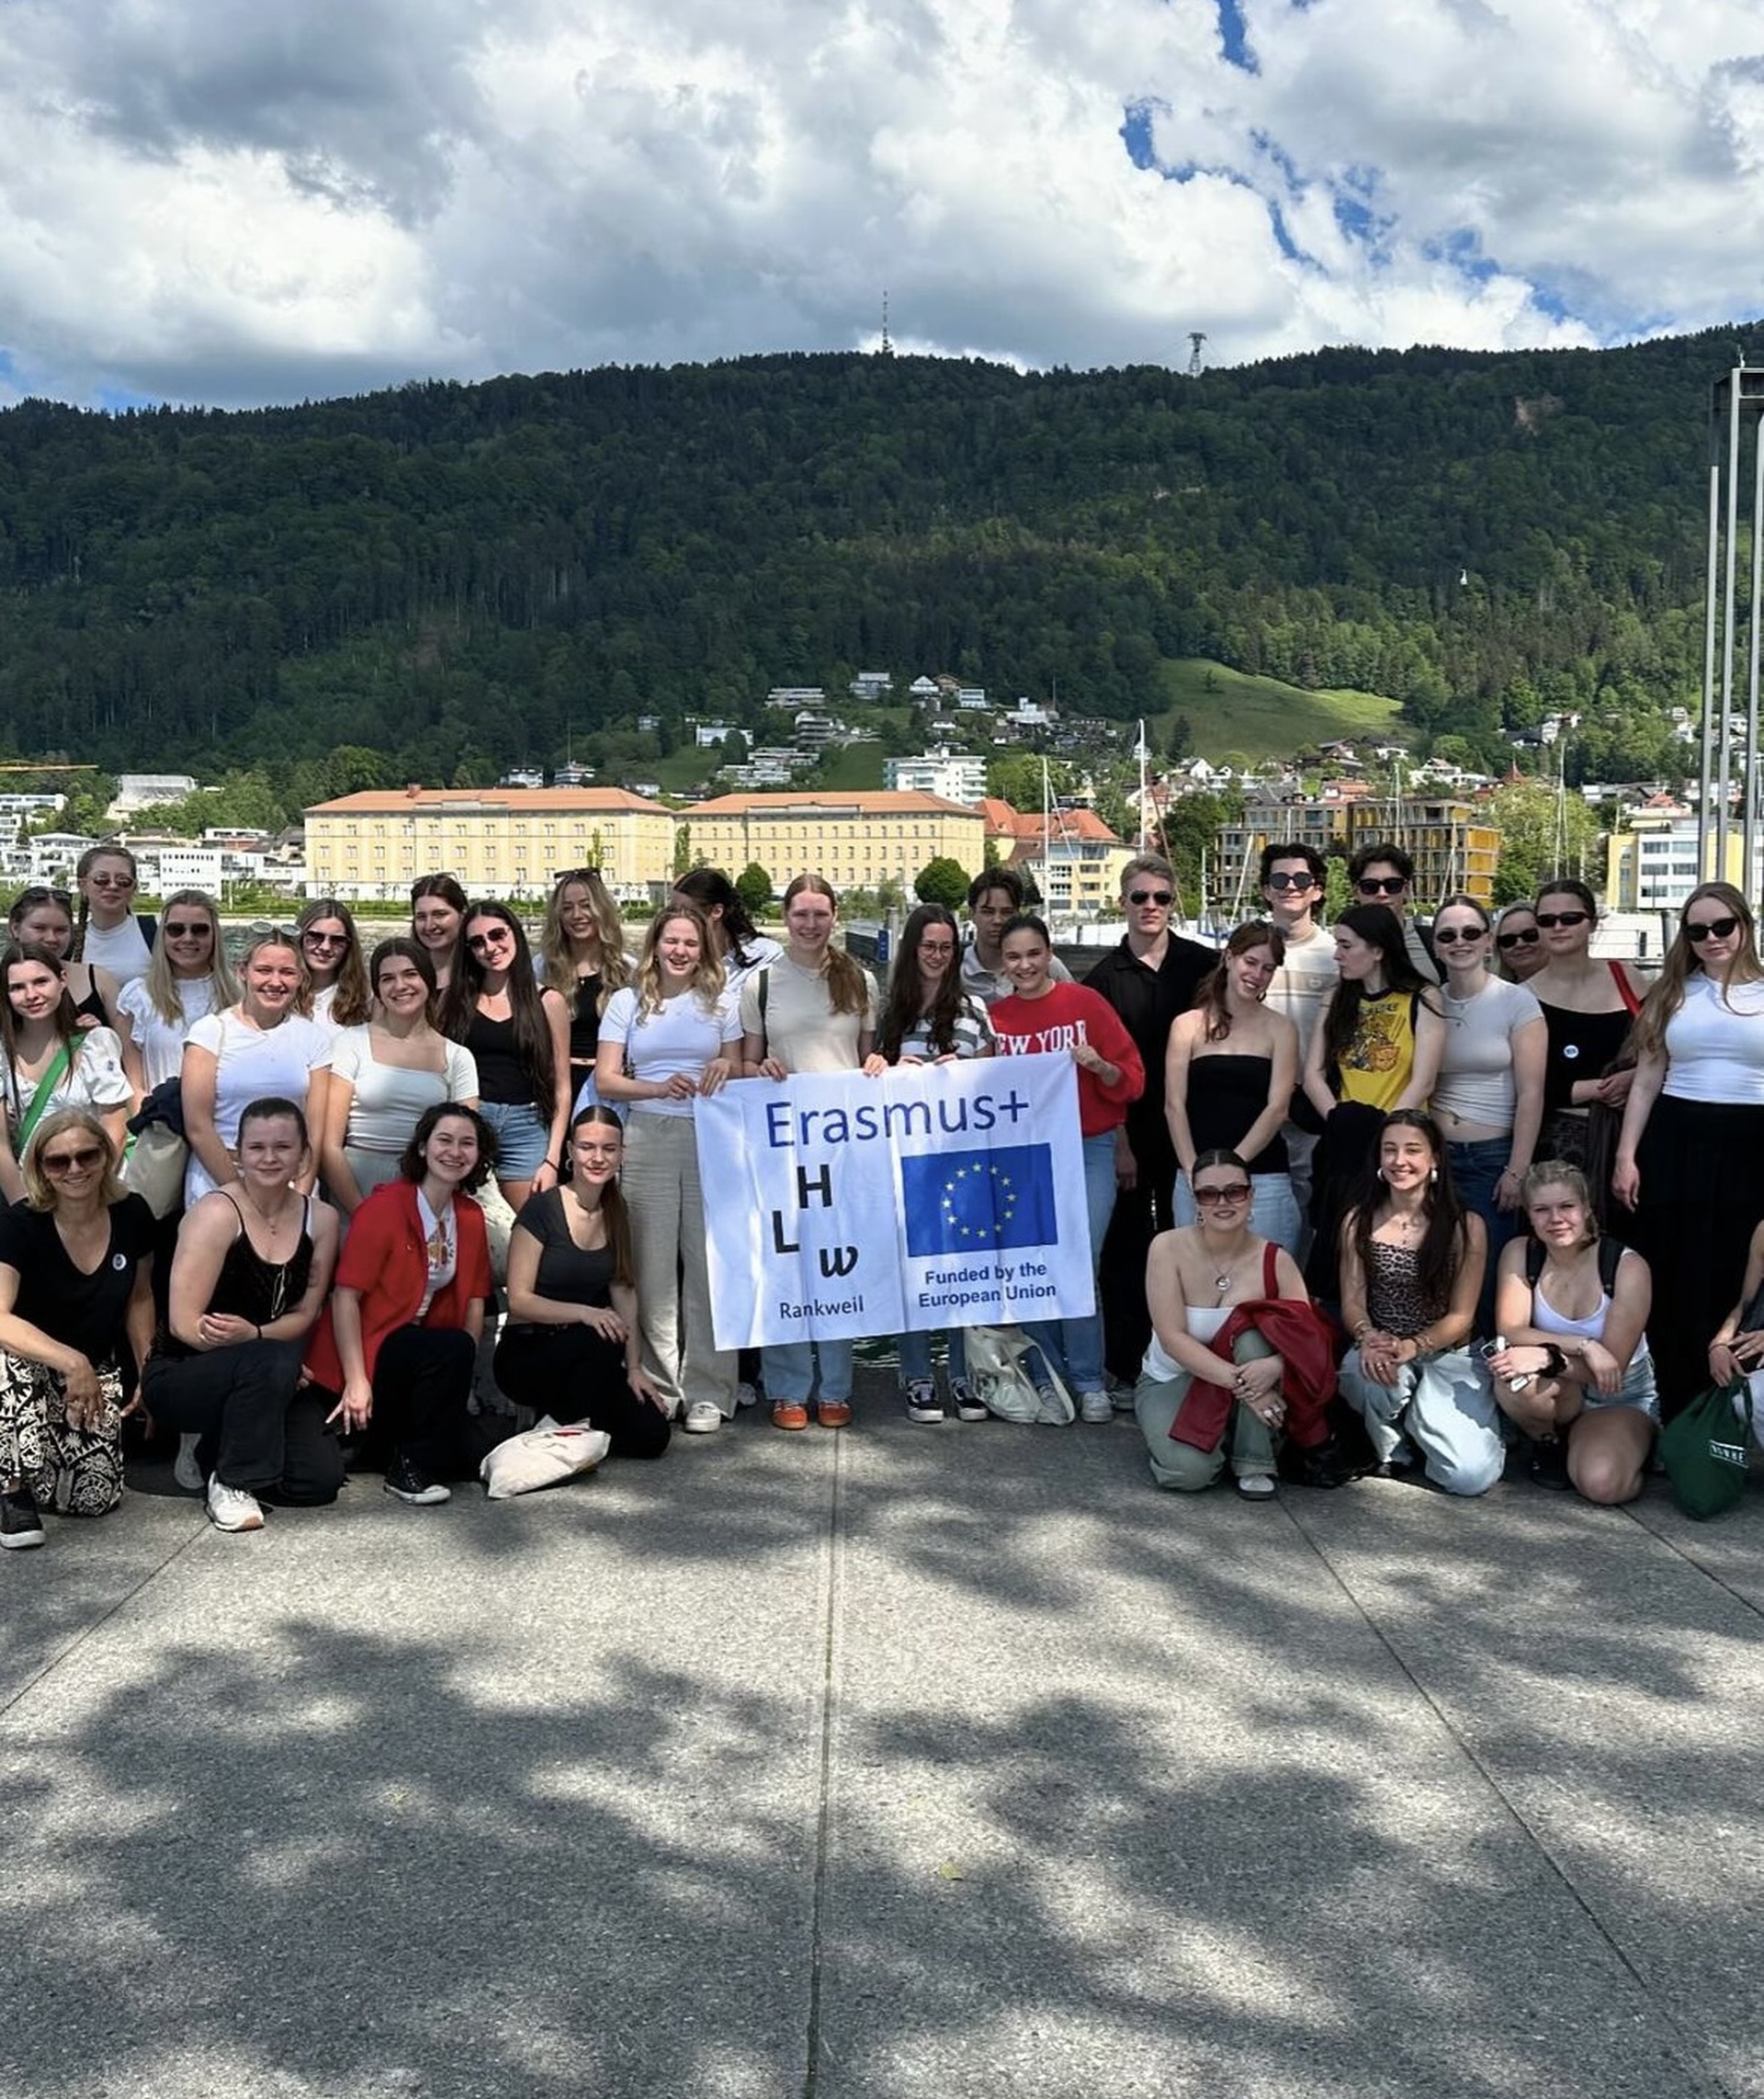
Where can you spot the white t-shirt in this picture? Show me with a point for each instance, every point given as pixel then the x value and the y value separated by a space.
pixel 160 1041
pixel 1301 986
pixel 441 1242
pixel 1714 1044
pixel 94 1079
pixel 122 950
pixel 800 1028
pixel 1475 1081
pixel 682 1035
pixel 388 1098
pixel 252 1064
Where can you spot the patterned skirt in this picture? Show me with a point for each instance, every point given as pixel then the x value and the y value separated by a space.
pixel 74 1471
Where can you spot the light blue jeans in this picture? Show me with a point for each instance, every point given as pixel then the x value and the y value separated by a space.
pixel 1444 1407
pixel 521 1134
pixel 1074 1347
pixel 1273 1209
pixel 788 1369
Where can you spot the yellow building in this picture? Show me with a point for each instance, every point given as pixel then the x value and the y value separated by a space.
pixel 857 840
pixel 497 842
pixel 1662 853
pixel 1451 843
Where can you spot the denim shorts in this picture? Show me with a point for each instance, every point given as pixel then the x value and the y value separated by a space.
pixel 521 1134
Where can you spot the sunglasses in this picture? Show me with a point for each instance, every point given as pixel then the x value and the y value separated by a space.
pixel 1709 928
pixel 1290 882
pixel 325 939
pixel 1549 920
pixel 82 1161
pixel 1528 938
pixel 111 881
pixel 1382 884
pixel 1233 1193
pixel 478 943
pixel 1158 897
pixel 1449 936
pixel 188 928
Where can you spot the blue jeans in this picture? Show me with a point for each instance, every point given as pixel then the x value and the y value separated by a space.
pixel 788 1368
pixel 1273 1209
pixel 915 1353
pixel 521 1134
pixel 1074 1347
pixel 1475 1168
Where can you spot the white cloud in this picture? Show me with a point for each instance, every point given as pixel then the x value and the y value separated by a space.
pixel 201 199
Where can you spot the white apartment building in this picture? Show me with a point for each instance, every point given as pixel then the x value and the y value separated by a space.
pixel 954 777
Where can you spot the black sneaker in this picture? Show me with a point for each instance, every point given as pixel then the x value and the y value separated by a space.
pixel 922 1403
pixel 20 1526
pixel 408 1483
pixel 1549 1462
pixel 968 1405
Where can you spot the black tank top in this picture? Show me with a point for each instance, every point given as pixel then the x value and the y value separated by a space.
pixel 248 1286
pixel 1226 1094
pixel 500 1077
pixel 1581 1046
pixel 584 1019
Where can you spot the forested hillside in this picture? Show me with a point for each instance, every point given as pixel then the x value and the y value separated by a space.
pixel 451 570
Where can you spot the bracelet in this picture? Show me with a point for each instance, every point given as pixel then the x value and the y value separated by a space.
pixel 1555 1363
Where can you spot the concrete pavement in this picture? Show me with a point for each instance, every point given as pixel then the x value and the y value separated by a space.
pixel 906 1761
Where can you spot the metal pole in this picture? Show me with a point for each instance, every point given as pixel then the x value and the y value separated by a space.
pixel 1749 865
pixel 1707 775
pixel 1730 576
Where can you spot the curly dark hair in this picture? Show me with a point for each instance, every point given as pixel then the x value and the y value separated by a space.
pixel 413 1164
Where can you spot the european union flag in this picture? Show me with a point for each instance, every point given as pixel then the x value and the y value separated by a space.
pixel 970 1202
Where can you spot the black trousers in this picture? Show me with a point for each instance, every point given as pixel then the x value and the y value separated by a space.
pixel 574 1374
pixel 1140 1213
pixel 422 1386
pixel 255 1428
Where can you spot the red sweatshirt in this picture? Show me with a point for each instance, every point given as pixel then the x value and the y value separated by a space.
pixel 386 1259
pixel 1066 1016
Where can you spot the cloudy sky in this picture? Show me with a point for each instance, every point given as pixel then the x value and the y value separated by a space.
pixel 226 201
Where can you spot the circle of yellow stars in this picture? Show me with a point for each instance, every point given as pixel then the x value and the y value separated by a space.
pixel 1004 1200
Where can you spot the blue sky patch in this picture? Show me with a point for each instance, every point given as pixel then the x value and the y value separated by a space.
pixel 1234 36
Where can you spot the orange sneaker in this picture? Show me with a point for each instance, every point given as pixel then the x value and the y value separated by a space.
pixel 788 1414
pixel 834 1413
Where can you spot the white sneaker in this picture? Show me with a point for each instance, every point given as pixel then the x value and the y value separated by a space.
pixel 232 1508
pixel 1094 1406
pixel 1256 1486
pixel 745 1395
pixel 703 1417
pixel 185 1469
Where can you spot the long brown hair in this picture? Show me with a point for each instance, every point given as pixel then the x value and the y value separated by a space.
pixel 1683 961
pixel 354 998
pixel 613 1206
pixel 532 1030
pixel 906 999
pixel 1211 994
pixel 848 991
pixel 1447 1240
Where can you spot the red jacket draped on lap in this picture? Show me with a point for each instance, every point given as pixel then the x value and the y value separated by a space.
pixel 1301 1337
pixel 386 1257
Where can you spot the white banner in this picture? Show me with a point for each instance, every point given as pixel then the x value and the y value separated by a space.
pixel 932 1195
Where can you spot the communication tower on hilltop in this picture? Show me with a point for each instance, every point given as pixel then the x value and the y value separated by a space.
pixel 888 347
pixel 1195 338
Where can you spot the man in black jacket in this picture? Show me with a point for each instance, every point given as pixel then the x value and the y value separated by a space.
pixel 1149 978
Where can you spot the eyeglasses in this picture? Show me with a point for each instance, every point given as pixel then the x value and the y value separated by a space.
pixel 188 929
pixel 478 943
pixel 1290 882
pixel 82 1162
pixel 936 947
pixel 325 939
pixel 1382 884
pixel 111 881
pixel 1449 936
pixel 1233 1193
pixel 1526 937
pixel 1700 931
pixel 1158 896
pixel 1549 920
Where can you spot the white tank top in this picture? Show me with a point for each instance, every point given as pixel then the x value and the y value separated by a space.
pixel 1204 1323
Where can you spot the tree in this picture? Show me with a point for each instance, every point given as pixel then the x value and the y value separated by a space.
pixel 1179 738
pixel 753 886
pixel 941 880
pixel 1542 834
pixel 735 748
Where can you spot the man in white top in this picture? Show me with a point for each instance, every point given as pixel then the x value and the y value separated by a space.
pixel 994 897
pixel 1291 887
pixel 1386 874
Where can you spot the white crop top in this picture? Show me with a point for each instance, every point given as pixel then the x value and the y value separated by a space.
pixel 1714 1045
pixel 1475 1081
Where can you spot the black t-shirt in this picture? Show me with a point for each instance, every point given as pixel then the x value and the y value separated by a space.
pixel 1147 1002
pixel 567 1274
pixel 82 1312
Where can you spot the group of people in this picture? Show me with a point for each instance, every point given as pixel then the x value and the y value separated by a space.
pixel 1425 1135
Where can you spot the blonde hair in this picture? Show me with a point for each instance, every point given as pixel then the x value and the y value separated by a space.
pixel 1682 960
pixel 847 991
pixel 39 1190
pixel 559 963
pixel 707 979
pixel 159 983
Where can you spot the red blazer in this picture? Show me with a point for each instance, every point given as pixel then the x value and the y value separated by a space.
pixel 1303 1341
pixel 385 1257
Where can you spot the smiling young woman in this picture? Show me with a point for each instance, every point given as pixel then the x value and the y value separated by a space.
pixel 48 1061
pixel 187 977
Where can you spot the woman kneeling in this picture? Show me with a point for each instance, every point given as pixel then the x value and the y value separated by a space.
pixel 1576 1374
pixel 252 1264
pixel 1411 1268
pixel 571 1347
pixel 1196 1276
pixel 400 1337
